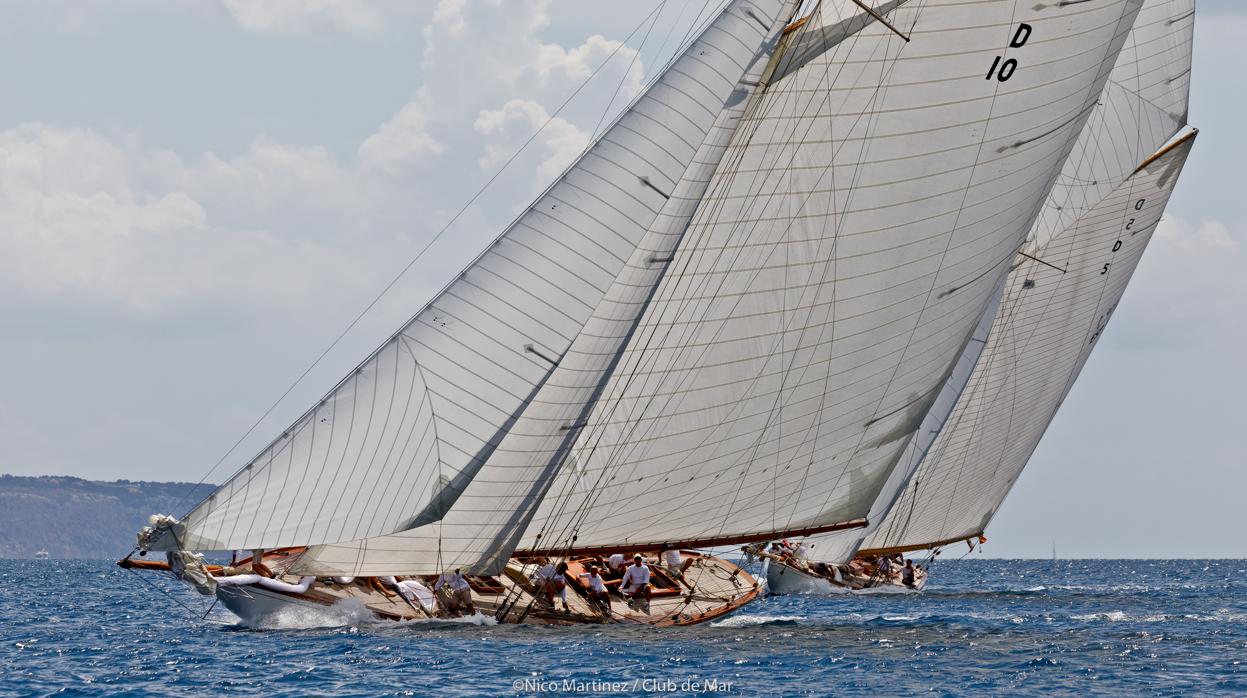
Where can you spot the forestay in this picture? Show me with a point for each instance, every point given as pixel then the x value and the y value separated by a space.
pixel 396 442
pixel 1049 322
pixel 1125 126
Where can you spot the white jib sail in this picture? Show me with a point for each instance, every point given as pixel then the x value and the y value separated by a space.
pixel 1125 127
pixel 849 244
pixel 396 443
pixel 1049 321
pixel 477 533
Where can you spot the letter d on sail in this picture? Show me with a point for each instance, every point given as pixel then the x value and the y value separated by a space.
pixel 1021 35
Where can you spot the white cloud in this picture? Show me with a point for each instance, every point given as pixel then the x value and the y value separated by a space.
pixel 1188 289
pixel 403 140
pixel 1209 237
pixel 82 220
pixel 553 62
pixel 509 127
pixel 359 17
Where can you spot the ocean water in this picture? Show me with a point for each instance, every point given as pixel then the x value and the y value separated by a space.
pixel 982 627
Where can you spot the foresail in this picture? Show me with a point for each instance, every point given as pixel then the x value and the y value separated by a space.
pixel 399 440
pixel 854 236
pixel 1050 320
pixel 483 528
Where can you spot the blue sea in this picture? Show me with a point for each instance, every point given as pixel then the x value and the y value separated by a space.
pixel 982 627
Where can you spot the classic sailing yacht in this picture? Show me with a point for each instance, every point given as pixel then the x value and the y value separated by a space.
pixel 1057 300
pixel 723 324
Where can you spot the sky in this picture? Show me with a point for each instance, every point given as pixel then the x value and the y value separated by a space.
pixel 196 198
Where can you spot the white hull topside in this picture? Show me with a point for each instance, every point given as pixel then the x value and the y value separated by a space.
pixel 254 604
pixel 784 579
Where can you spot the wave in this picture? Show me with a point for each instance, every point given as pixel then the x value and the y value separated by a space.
pixel 352 614
pixel 348 613
pixel 750 621
pixel 1221 615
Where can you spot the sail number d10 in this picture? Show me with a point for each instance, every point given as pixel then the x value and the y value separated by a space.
pixel 1003 69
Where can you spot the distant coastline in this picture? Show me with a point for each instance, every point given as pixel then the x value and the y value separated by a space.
pixel 83 519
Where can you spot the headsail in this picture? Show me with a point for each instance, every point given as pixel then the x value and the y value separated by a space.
pixel 397 441
pixel 850 241
pixel 1049 322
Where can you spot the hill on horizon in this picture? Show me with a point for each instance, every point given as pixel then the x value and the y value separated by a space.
pixel 85 519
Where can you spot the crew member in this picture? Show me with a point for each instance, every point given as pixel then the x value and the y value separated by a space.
pixel 671 560
pixel 455 593
pixel 553 583
pixel 597 589
pixel 635 582
pixel 907 574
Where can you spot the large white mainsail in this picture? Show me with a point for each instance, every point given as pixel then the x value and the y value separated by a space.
pixel 1142 106
pixel 824 294
pixel 395 444
pixel 873 196
pixel 1050 320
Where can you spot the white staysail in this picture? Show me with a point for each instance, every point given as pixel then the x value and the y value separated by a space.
pixel 398 441
pixel 1124 128
pixel 851 239
pixel 1049 321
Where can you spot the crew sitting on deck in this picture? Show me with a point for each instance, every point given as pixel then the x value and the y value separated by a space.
pixel 454 593
pixel 907 574
pixel 616 563
pixel 885 566
pixel 597 589
pixel 635 582
pixel 672 561
pixel 552 583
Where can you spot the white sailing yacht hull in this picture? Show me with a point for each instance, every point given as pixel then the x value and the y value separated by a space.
pixel 783 579
pixel 254 604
